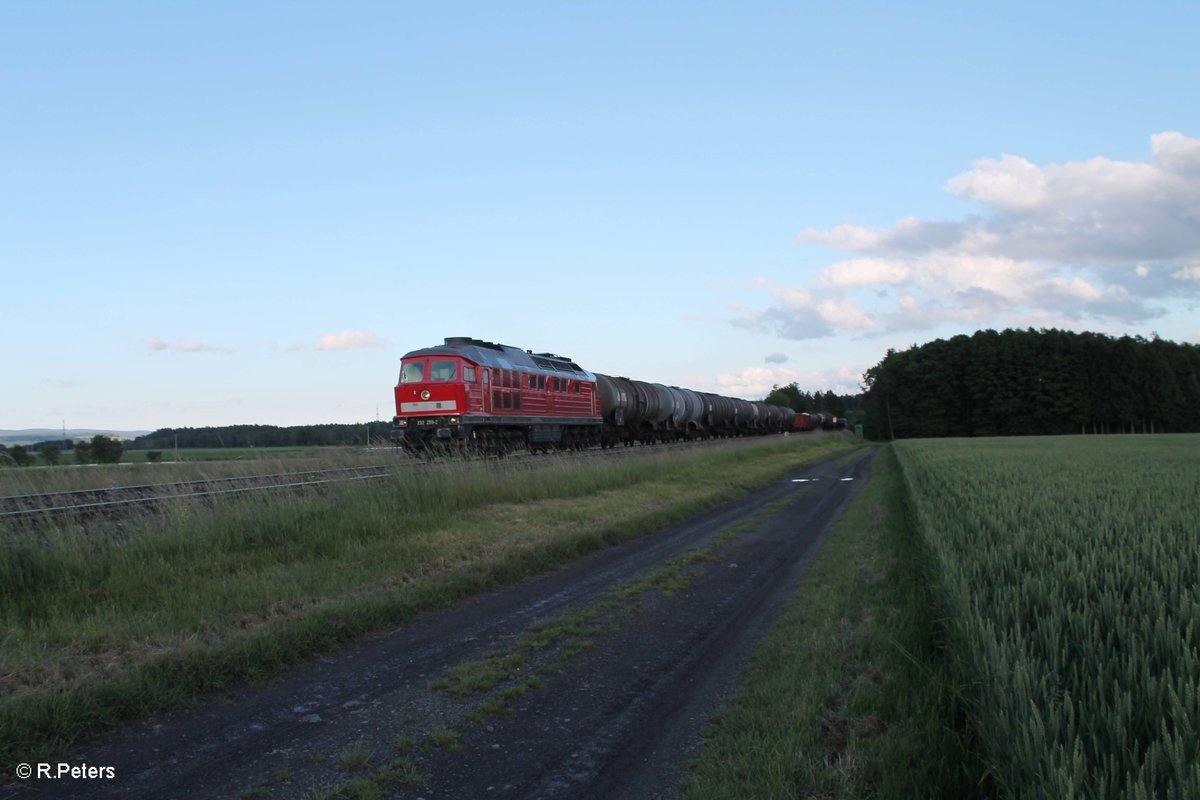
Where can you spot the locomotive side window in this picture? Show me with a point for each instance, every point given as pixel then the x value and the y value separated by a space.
pixel 541 381
pixel 532 381
pixel 412 372
pixel 469 374
pixel 443 371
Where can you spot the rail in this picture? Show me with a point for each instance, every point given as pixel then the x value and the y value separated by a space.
pixel 118 498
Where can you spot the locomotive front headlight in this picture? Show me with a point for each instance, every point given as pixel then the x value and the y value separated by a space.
pixel 424 394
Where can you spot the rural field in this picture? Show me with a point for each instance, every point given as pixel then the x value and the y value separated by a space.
pixel 992 617
pixel 1069 574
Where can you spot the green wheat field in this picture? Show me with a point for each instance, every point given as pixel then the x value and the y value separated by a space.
pixel 1070 574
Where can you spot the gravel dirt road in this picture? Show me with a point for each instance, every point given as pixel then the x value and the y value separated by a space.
pixel 593 681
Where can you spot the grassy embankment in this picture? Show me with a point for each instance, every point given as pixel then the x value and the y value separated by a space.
pixel 193 464
pixel 849 694
pixel 992 617
pixel 105 621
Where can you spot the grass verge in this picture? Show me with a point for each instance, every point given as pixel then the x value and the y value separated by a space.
pixel 106 621
pixel 850 695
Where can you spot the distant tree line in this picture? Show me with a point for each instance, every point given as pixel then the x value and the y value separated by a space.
pixel 847 406
pixel 1034 382
pixel 106 450
pixel 262 436
pixel 100 450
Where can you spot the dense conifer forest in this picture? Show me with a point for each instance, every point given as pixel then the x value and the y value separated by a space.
pixel 1019 382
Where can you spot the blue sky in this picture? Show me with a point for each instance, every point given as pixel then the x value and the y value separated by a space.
pixel 246 212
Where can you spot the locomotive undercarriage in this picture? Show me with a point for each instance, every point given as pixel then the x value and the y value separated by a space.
pixel 491 435
pixel 499 435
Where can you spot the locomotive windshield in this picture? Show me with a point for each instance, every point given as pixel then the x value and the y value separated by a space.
pixel 442 371
pixel 412 372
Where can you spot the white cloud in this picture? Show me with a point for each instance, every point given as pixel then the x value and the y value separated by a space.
pixel 754 383
pixel 865 272
pixel 843 237
pixel 844 313
pixel 185 345
pixel 344 340
pixel 1176 152
pixel 1010 183
pixel 349 340
pixel 1100 243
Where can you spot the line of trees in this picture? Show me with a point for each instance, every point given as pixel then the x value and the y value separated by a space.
pixel 847 406
pixel 261 436
pixel 100 450
pixel 1017 382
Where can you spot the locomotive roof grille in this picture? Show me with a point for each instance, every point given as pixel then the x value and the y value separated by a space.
pixel 559 366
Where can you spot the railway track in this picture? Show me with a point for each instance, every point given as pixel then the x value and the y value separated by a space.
pixel 118 499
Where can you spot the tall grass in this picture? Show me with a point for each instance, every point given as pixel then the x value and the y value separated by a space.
pixel 849 694
pixel 103 620
pixel 1071 571
pixel 194 465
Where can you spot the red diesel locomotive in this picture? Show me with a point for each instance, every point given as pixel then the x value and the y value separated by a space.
pixel 497 398
pixel 494 395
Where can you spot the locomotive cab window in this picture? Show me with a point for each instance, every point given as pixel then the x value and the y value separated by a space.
pixel 412 372
pixel 468 374
pixel 443 371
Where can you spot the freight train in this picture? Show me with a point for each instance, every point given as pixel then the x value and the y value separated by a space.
pixel 497 398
